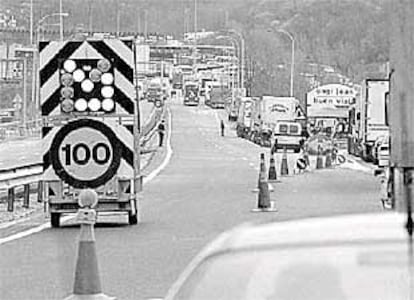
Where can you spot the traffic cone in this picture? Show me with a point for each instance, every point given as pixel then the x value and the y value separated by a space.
pixel 272 170
pixel 328 160
pixel 306 157
pixel 284 169
pixel 263 201
pixel 87 284
pixel 319 160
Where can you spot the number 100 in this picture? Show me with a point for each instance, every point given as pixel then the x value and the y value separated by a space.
pixel 88 154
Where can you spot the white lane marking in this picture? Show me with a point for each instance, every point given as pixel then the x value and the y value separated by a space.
pixel 217 117
pixel 67 218
pixel 167 157
pixel 30 231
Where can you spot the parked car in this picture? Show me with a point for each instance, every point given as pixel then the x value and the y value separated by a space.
pixel 343 257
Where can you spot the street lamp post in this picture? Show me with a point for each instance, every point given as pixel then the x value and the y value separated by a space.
pixel 292 63
pixel 60 20
pixel 31 22
pixel 237 49
pixel 39 23
pixel 242 47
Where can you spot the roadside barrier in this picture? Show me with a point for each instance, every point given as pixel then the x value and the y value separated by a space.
pixel 87 285
pixel 263 199
pixel 306 157
pixel 328 160
pixel 301 165
pixel 341 159
pixel 319 160
pixel 272 169
pixel 284 169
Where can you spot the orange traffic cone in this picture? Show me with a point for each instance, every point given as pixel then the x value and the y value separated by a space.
pixel 272 170
pixel 87 284
pixel 284 169
pixel 263 203
pixel 319 160
pixel 328 160
pixel 306 157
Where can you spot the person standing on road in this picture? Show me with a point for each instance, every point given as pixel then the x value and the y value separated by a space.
pixel 222 127
pixel 273 148
pixel 161 132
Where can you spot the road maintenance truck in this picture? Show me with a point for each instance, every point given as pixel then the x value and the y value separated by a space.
pixel 90 128
pixel 368 118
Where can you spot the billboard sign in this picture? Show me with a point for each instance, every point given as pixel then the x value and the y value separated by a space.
pixel 331 100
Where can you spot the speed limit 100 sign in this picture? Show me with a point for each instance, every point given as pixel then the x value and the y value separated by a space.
pixel 85 153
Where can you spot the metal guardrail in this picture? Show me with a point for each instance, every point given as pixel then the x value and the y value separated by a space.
pixel 20 175
pixel 15 129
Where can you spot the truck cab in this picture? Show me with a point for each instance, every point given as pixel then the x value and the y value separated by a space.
pixel 288 135
pixel 191 93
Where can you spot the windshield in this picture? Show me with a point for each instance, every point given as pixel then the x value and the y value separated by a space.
pixel 319 273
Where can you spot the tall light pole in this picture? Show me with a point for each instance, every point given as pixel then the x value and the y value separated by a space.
pixel 61 20
pixel 31 22
pixel 292 63
pixel 242 46
pixel 195 37
pixel 237 48
pixel 233 41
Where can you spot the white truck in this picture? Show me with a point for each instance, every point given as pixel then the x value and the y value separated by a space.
pixel 370 120
pixel 244 115
pixel 270 111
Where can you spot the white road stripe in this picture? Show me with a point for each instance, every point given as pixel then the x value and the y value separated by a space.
pixel 30 231
pixel 167 157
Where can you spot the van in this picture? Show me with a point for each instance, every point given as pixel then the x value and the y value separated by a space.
pixel 288 135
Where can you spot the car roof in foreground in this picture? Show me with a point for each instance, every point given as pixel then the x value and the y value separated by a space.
pixel 336 231
pixel 343 228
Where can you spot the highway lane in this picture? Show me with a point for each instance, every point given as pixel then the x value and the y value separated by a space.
pixel 29 151
pixel 206 188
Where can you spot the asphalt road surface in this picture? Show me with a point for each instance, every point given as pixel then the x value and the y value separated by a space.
pixel 204 189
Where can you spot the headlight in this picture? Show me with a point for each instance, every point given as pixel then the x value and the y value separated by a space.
pixel 107 91
pixel 107 78
pixel 81 105
pixel 67 92
pixel 69 65
pixel 78 75
pixel 104 65
pixel 66 79
pixel 67 105
pixel 108 104
pixel 95 75
pixel 87 85
pixel 94 104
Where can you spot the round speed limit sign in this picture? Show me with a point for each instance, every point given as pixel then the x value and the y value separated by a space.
pixel 85 153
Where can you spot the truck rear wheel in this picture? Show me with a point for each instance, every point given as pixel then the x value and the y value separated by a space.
pixel 55 220
pixel 132 218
